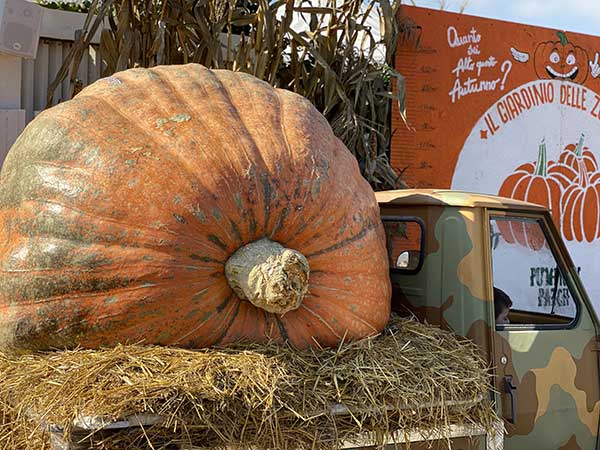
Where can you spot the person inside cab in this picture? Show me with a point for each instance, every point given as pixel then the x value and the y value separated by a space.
pixel 502 305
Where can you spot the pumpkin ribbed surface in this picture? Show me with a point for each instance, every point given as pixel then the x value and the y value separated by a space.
pixel 121 207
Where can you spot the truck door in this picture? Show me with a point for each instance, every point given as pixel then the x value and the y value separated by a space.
pixel 546 348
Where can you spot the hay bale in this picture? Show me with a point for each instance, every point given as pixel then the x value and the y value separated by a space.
pixel 411 377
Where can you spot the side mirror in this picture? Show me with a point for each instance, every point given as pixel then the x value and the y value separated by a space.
pixel 403 260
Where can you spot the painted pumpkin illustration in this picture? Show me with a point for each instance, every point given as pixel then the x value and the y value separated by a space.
pixel 580 218
pixel 539 182
pixel 573 155
pixel 561 60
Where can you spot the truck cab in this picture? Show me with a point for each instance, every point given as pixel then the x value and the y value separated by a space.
pixel 496 271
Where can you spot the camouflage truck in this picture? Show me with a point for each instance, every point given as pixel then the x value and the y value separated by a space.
pixel 451 253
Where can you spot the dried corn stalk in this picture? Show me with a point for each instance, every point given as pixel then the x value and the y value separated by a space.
pixel 309 47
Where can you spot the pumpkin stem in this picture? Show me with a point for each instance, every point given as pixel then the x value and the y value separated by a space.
pixel 563 38
pixel 268 275
pixel 579 148
pixel 540 166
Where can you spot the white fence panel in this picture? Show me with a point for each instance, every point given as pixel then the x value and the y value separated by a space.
pixel 24 83
pixel 38 74
pixel 12 122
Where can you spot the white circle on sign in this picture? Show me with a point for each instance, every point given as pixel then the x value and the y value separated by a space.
pixel 501 140
pixel 17 46
pixel 504 359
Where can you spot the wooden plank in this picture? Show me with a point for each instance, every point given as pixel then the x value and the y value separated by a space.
pixel 99 63
pixel 12 122
pixel 62 25
pixel 41 77
pixel 82 72
pixel 54 62
pixel 57 442
pixel 3 133
pixel 66 46
pixel 27 87
pixel 425 436
pixel 10 81
pixel 94 64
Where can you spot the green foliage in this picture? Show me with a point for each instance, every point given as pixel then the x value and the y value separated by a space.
pixel 80 7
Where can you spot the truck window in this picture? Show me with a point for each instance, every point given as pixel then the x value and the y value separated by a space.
pixel 529 283
pixel 405 238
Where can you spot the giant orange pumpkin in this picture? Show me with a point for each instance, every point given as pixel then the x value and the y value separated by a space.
pixel 189 207
pixel 538 182
pixel 561 60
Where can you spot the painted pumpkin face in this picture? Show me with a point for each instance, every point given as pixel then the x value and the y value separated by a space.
pixel 561 60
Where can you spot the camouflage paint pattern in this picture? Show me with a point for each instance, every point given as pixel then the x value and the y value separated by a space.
pixel 556 371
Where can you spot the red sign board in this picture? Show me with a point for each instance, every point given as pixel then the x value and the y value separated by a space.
pixel 504 108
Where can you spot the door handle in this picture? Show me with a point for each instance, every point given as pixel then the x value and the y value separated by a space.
pixel 510 389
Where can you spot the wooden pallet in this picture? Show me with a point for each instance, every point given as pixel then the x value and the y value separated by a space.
pixel 463 437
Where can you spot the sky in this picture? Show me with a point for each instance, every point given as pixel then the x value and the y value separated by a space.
pixel 581 16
